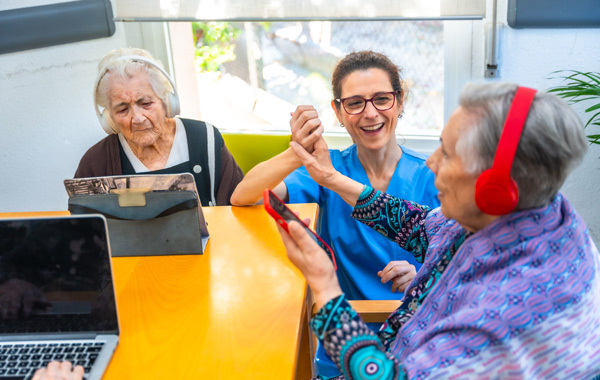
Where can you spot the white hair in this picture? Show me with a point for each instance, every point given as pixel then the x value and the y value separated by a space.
pixel 551 145
pixel 111 66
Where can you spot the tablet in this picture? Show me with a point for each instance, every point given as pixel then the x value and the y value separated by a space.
pixel 152 182
pixel 147 214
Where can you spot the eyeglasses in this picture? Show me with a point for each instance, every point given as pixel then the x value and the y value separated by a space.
pixel 382 101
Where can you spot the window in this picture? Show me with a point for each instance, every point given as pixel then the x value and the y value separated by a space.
pixel 252 75
pixel 273 67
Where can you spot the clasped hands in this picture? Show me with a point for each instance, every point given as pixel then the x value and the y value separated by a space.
pixel 309 146
pixel 312 150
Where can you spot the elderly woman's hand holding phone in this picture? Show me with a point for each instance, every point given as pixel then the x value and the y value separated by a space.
pixel 312 261
pixel 302 251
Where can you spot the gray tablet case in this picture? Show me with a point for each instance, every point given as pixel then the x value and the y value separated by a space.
pixel 147 223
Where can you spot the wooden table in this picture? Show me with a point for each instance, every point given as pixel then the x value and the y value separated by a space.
pixel 236 312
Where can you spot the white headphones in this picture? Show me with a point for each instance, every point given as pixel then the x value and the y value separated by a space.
pixel 172 99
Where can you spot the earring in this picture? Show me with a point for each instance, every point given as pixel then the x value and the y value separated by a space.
pixel 342 125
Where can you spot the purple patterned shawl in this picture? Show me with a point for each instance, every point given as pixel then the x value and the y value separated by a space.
pixel 520 299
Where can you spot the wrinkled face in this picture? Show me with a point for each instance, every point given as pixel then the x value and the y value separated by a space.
pixel 136 109
pixel 371 129
pixel 456 187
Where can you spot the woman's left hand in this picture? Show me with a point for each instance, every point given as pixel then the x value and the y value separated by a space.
pixel 312 261
pixel 318 163
pixel 401 273
pixel 321 170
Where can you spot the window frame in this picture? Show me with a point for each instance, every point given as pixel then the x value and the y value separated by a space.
pixel 458 35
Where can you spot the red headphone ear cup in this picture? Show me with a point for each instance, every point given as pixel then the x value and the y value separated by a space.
pixel 494 194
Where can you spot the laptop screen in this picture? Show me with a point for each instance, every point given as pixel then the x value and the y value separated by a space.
pixel 55 276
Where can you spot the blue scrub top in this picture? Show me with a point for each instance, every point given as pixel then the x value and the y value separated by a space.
pixel 361 252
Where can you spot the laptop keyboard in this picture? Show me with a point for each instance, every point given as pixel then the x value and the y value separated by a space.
pixel 21 360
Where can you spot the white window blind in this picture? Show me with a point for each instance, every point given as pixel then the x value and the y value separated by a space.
pixel 297 10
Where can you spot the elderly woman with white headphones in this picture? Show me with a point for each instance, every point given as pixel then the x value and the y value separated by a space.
pixel 139 103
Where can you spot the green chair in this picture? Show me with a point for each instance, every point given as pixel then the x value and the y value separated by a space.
pixel 249 149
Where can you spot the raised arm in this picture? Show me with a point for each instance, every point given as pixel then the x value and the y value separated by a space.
pixel 399 220
pixel 268 174
pixel 354 348
pixel 306 129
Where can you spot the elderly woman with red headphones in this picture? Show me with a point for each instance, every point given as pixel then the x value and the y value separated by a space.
pixel 140 102
pixel 510 283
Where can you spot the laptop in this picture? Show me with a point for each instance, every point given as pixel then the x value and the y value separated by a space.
pixel 57 299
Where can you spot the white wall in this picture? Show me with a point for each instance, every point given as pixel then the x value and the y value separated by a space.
pixel 48 121
pixel 529 57
pixel 47 118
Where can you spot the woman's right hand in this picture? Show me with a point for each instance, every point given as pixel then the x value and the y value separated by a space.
pixel 59 371
pixel 306 127
pixel 401 273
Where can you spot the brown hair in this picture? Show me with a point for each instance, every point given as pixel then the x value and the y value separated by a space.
pixel 364 60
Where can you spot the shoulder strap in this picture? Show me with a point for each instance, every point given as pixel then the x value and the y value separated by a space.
pixel 207 180
pixel 210 149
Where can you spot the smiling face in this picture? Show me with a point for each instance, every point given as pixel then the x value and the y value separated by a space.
pixel 371 129
pixel 136 110
pixel 456 187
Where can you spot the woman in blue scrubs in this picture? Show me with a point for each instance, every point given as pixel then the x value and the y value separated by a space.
pixel 368 101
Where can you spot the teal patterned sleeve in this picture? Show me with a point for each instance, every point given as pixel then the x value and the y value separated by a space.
pixel 353 347
pixel 399 220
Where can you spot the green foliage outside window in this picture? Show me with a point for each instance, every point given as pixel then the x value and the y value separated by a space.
pixel 215 44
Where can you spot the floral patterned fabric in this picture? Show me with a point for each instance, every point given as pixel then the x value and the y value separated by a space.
pixel 353 347
pixel 517 299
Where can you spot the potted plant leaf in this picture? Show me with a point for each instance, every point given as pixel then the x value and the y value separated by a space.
pixel 582 87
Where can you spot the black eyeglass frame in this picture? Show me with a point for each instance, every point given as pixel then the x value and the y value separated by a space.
pixel 395 93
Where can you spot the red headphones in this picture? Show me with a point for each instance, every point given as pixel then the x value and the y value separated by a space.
pixel 496 193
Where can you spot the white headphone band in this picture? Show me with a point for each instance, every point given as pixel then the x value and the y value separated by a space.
pixel 134 58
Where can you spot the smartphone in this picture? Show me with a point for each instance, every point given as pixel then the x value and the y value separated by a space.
pixel 283 215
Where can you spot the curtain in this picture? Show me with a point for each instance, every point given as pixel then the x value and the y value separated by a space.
pixel 300 10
